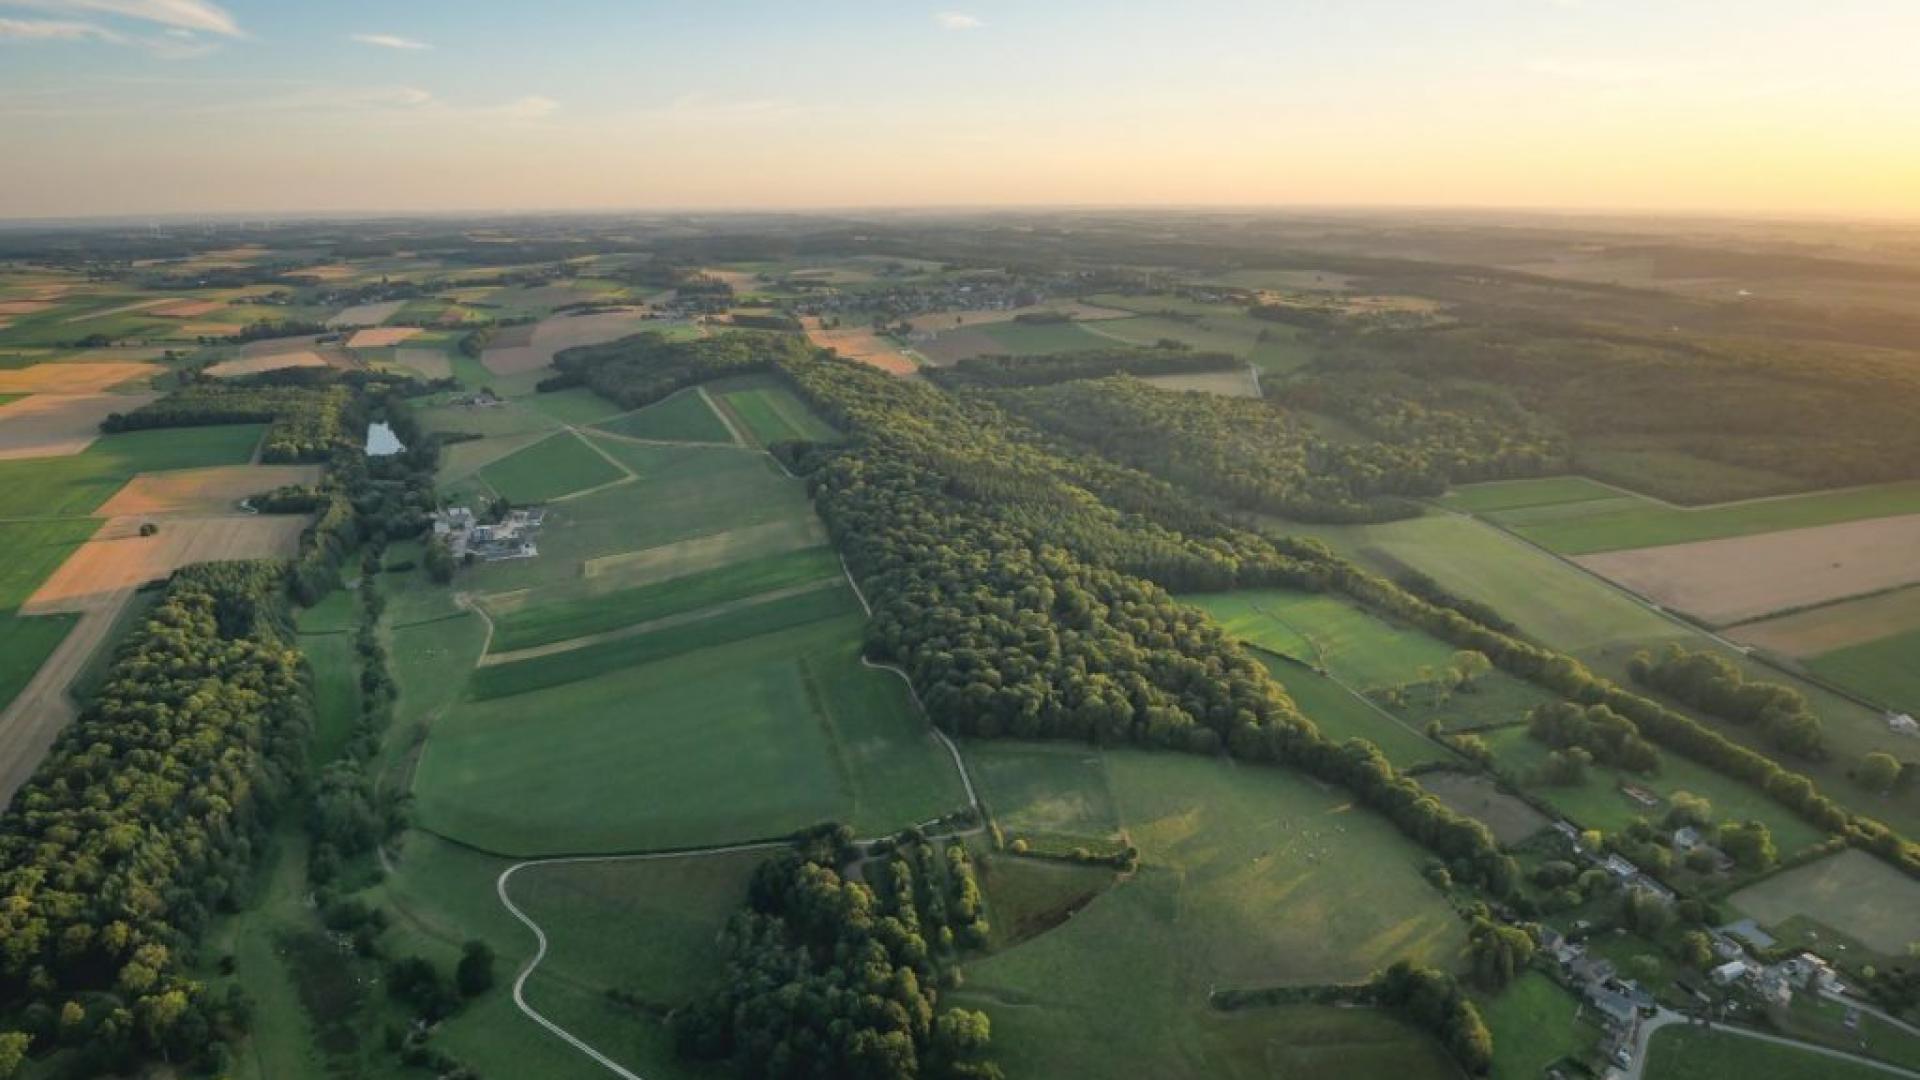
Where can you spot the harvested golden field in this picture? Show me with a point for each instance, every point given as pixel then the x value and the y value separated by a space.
pixel 511 353
pixel 861 343
pixel 428 363
pixel 1746 577
pixel 118 558
pixel 72 378
pixel 253 365
pixel 381 337
pixel 123 309
pixel 24 307
pixel 1806 634
pixel 214 491
pixel 207 329
pixel 55 425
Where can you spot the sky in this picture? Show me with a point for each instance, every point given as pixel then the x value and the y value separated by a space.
pixel 1774 107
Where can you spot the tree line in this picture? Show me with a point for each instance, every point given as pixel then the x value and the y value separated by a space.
pixel 304 423
pixel 1716 686
pixel 1002 372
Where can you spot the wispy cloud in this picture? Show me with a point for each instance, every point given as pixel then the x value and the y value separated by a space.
pixel 391 41
pixel 957 20
pixel 53 30
pixel 197 15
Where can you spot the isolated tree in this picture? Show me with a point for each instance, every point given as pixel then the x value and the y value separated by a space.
pixel 1686 808
pixel 474 975
pixel 1749 843
pixel 1467 666
pixel 1878 771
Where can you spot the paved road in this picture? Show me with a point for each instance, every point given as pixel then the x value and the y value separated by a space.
pixel 1667 1017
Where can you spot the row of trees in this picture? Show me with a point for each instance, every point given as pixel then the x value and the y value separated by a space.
pixel 1600 733
pixel 1658 724
pixel 1715 686
pixel 826 978
pixel 143 820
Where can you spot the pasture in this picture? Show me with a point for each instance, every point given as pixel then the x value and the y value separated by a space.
pixel 1886 670
pixel 1850 891
pixel 1325 632
pixel 1535 1022
pixel 1686 1052
pixel 747 735
pixel 544 621
pixel 575 405
pixel 1747 577
pixel 1600 804
pixel 1342 714
pixel 559 465
pixel 1497 495
pixel 1511 819
pixel 1250 877
pixel 684 417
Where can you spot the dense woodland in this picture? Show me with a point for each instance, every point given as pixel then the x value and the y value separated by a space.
pixel 1813 415
pixel 144 820
pixel 305 422
pixel 825 978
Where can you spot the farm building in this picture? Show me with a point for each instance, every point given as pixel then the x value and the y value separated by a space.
pixel 509 538
pixel 1728 973
pixel 1902 724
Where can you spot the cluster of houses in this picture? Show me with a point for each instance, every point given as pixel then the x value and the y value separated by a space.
pixel 907 301
pixel 509 538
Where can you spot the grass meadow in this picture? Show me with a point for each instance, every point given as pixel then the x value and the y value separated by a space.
pixel 545 623
pixel 741 738
pixel 1851 891
pixel 684 417
pixel 1685 1052
pixel 25 643
pixel 771 414
pixel 1886 670
pixel 1535 1022
pixel 1249 877
pixel 560 464
pixel 1323 630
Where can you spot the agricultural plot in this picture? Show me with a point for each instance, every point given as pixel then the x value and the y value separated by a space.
pixel 218 490
pixel 1600 802
pixel 1053 796
pixel 558 465
pixel 79 483
pixel 1850 891
pixel 35 549
pixel 1655 524
pixel 1686 1052
pixel 1886 670
pixel 1472 794
pixel 1224 383
pixel 861 343
pixel 1747 577
pixel 25 643
pixel 684 417
pixel 366 314
pixel 552 619
pixel 1250 877
pixel 1832 627
pixel 515 353
pixel 382 337
pixel 68 377
pixel 269 361
pixel 746 735
pixel 57 425
pixel 1342 714
pixel 1498 495
pixel 771 414
pixel 117 559
pixel 577 405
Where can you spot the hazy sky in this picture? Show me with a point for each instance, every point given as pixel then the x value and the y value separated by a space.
pixel 138 106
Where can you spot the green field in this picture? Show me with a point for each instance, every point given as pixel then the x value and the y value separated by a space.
pixel 1327 632
pixel 684 417
pixel 1613 529
pixel 1886 670
pixel 1042 339
pixel 1598 804
pixel 736 738
pixel 538 625
pixel 34 550
pixel 1250 877
pixel 558 465
pixel 25 643
pixel 1054 797
pixel 1272 347
pixel 336 691
pixel 1535 1022
pixel 1518 494
pixel 1851 891
pixel 79 483
pixel 1342 715
pixel 772 414
pixel 576 405
pixel 611 654
pixel 1686 1052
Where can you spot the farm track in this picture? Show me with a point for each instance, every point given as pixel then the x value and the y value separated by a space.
pixel 540 937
